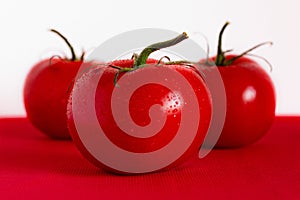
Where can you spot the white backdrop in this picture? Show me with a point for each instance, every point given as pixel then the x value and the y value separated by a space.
pixel 24 38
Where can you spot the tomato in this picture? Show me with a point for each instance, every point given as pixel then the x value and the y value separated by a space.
pixel 46 93
pixel 251 98
pixel 129 119
pixel 250 102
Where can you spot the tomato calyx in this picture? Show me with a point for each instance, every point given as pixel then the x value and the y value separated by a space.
pixel 73 55
pixel 221 58
pixel 140 60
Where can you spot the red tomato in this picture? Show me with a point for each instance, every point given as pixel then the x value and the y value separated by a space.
pixel 250 102
pixel 250 98
pixel 110 125
pixel 46 93
pixel 171 103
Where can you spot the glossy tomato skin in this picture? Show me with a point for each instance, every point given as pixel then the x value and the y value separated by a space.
pixel 46 92
pixel 139 105
pixel 251 102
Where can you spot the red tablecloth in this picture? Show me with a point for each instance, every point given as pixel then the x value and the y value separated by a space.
pixel 33 166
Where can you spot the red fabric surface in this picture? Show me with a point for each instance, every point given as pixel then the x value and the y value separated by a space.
pixel 33 166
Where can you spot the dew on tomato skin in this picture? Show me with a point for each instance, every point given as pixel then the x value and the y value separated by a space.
pixel 172 103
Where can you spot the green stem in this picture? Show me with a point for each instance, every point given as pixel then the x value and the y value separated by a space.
pixel 230 61
pixel 142 58
pixel 220 55
pixel 179 62
pixel 73 58
pixel 221 60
